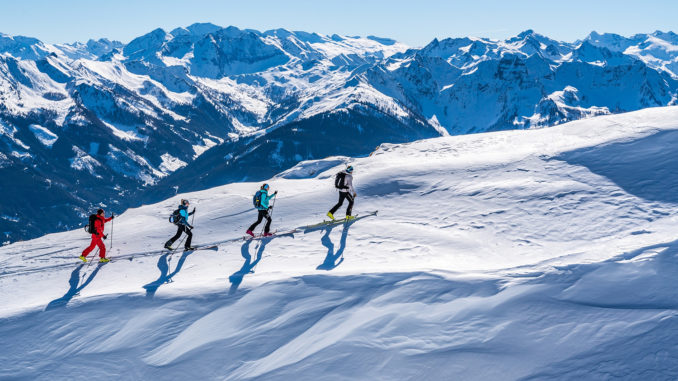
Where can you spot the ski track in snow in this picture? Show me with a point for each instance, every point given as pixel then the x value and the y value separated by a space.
pixel 510 255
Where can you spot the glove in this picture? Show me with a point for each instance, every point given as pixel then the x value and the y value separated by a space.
pixel 190 227
pixel 193 211
pixel 276 192
pixel 112 216
pixel 105 236
pixel 354 194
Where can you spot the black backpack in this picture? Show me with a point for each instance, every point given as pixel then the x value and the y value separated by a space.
pixel 90 228
pixel 175 217
pixel 339 180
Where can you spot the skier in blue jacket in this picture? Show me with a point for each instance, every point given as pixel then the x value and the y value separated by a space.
pixel 182 227
pixel 261 202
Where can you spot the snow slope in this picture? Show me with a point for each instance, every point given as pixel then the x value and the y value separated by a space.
pixel 531 254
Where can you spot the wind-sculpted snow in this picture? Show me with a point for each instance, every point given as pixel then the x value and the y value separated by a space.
pixel 265 101
pixel 509 255
pixel 374 326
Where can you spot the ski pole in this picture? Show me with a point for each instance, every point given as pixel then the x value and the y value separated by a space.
pixel 273 205
pixel 112 222
pixel 192 221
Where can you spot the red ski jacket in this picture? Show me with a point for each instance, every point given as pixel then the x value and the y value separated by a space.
pixel 99 225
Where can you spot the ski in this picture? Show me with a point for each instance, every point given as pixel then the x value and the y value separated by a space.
pixel 199 247
pixel 275 234
pixel 339 221
pixel 203 247
pixel 170 251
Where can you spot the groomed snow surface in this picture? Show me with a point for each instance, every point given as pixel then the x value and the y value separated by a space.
pixel 542 254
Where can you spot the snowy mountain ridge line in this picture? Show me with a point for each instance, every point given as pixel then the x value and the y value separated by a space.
pixel 226 99
pixel 504 255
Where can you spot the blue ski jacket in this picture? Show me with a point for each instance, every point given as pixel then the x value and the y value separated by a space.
pixel 265 198
pixel 183 212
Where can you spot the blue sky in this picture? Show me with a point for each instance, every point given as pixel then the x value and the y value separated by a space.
pixel 414 22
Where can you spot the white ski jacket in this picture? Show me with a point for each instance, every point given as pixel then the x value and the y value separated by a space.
pixel 348 183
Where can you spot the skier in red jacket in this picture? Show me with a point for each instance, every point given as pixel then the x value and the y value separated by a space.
pixel 97 235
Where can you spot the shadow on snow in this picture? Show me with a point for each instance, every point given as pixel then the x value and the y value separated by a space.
pixel 334 259
pixel 249 265
pixel 164 263
pixel 75 286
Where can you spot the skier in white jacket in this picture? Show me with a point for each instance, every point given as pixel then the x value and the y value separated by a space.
pixel 343 181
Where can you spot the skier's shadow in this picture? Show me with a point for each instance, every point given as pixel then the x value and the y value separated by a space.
pixel 334 259
pixel 249 265
pixel 75 287
pixel 165 275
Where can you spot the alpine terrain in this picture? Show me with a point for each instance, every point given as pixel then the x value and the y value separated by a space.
pixel 103 123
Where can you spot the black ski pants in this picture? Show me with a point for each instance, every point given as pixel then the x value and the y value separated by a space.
pixel 181 229
pixel 262 214
pixel 342 196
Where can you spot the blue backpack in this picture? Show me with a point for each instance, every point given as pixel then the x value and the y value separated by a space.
pixel 256 200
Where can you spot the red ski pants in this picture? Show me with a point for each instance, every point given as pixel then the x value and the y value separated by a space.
pixel 96 241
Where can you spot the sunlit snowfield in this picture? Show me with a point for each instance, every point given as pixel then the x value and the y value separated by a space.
pixel 510 255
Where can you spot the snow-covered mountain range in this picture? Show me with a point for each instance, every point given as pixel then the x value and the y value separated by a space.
pixel 106 123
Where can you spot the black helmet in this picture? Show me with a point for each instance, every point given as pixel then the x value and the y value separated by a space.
pixel 184 202
pixel 349 169
pixel 265 186
pixel 100 211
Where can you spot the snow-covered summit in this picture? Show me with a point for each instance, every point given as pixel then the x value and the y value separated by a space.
pixel 658 49
pixel 536 254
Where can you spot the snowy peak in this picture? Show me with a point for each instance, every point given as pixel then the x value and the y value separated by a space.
pixel 92 49
pixel 146 46
pixel 532 38
pixel 597 55
pixel 197 29
pixel 207 50
pixel 23 47
pixel 102 46
pixel 658 50
pixel 611 41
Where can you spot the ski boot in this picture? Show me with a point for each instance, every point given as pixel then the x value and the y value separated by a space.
pixel 349 218
pixel 330 215
pixel 250 233
pixel 168 246
pixel 104 260
pixel 267 234
pixel 82 258
pixel 190 248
